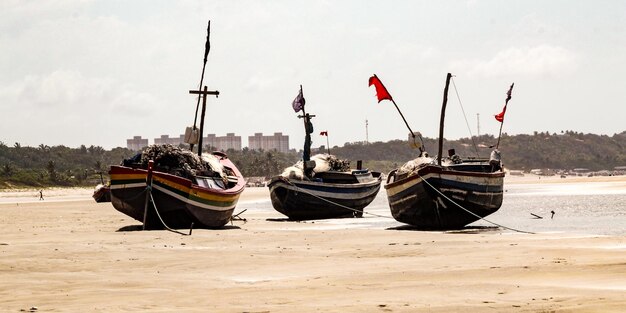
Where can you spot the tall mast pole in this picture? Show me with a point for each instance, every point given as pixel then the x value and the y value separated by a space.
pixel 207 48
pixel 443 116
pixel 203 94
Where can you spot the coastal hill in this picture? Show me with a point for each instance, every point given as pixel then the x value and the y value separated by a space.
pixel 567 150
pixel 62 166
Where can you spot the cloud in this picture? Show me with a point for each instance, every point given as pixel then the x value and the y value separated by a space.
pixel 68 107
pixel 67 91
pixel 538 61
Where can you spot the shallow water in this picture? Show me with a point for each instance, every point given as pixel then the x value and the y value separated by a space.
pixel 590 208
pixel 585 208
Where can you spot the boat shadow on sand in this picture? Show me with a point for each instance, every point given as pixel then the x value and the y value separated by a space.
pixel 464 230
pixel 131 228
pixel 288 220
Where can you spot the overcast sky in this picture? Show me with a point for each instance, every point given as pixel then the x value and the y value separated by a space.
pixel 99 72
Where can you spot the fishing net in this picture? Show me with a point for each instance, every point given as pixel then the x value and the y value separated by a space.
pixel 179 162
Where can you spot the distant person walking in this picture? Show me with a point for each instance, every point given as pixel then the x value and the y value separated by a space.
pixel 40 194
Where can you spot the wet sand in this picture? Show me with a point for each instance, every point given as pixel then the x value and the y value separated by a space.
pixel 70 254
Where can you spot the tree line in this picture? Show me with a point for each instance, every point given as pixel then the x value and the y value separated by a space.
pixel 83 166
pixel 565 150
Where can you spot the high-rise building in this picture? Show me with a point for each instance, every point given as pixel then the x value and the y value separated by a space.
pixel 137 143
pixel 230 141
pixel 165 139
pixel 278 142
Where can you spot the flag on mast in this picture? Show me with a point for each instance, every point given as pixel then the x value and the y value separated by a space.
pixel 324 133
pixel 381 91
pixel 298 102
pixel 500 116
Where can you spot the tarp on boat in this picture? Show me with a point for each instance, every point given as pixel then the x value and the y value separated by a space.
pixel 323 163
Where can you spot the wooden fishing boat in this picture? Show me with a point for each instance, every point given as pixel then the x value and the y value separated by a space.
pixel 330 195
pixel 175 188
pixel 326 189
pixel 446 193
pixel 448 196
pixel 176 201
pixel 102 193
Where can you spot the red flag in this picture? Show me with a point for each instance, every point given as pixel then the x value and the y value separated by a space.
pixel 324 133
pixel 381 91
pixel 500 117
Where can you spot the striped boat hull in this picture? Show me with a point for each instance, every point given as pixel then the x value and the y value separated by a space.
pixel 179 201
pixel 413 201
pixel 307 200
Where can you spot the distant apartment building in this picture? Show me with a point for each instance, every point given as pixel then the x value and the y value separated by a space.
pixel 230 141
pixel 165 139
pixel 137 143
pixel 278 142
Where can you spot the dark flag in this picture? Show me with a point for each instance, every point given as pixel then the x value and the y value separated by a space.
pixel 324 133
pixel 298 102
pixel 381 91
pixel 500 116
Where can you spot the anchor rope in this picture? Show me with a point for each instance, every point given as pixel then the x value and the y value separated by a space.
pixel 470 212
pixel 335 203
pixel 149 188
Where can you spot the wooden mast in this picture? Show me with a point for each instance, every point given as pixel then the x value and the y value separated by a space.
pixel 443 116
pixel 207 48
pixel 203 94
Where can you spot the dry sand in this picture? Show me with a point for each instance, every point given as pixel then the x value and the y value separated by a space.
pixel 70 254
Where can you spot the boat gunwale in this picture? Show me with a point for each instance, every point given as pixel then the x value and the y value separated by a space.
pixel 376 181
pixel 436 169
pixel 188 183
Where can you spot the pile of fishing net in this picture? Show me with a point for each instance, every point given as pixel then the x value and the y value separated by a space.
pixel 414 165
pixel 180 162
pixel 323 163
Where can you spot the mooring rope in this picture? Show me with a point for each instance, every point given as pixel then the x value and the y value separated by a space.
pixel 470 212
pixel 149 188
pixel 335 203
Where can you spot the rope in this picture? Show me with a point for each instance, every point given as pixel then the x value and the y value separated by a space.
pixel 465 116
pixel 149 188
pixel 470 212
pixel 335 203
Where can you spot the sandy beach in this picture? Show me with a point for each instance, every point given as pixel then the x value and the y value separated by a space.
pixel 70 254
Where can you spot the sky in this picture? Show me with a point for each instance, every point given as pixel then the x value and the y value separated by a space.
pixel 99 72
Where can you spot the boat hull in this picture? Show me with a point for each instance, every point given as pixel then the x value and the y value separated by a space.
pixel 102 194
pixel 414 200
pixel 179 202
pixel 309 200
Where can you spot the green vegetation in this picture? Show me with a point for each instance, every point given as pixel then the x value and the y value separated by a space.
pixel 55 166
pixel 567 150
pixel 44 166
